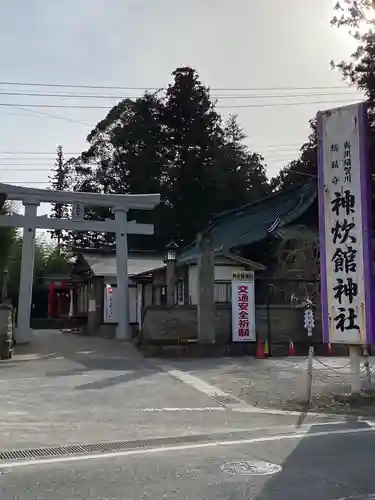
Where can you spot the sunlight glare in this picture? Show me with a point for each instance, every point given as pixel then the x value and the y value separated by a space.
pixel 370 13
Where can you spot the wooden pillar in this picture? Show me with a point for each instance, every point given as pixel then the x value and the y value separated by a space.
pixel 206 278
pixel 171 279
pixel 4 285
pixel 186 285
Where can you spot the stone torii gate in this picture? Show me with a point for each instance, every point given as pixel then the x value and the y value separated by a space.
pixel 119 203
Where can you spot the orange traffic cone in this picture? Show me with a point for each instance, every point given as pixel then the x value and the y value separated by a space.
pixel 266 349
pixel 329 349
pixel 292 351
pixel 259 354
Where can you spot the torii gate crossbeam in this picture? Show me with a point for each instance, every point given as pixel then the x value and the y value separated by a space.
pixel 120 204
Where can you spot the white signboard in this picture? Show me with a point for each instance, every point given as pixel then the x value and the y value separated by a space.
pixel 345 231
pixel 243 308
pixel 110 313
pixel 110 304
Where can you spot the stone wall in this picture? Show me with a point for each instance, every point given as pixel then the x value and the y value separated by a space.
pixel 170 325
pixel 6 331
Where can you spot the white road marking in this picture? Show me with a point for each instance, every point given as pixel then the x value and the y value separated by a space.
pixel 366 496
pixel 204 408
pixel 272 411
pixel 184 447
pixel 196 383
pixel 29 424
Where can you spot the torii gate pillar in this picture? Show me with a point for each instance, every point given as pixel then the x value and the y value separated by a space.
pixel 27 273
pixel 123 331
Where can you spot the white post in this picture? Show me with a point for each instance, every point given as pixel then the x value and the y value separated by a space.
pixel 27 274
pixel 309 374
pixel 355 368
pixel 71 303
pixel 122 297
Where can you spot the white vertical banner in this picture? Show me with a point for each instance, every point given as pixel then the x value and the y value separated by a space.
pixel 243 307
pixel 345 226
pixel 110 313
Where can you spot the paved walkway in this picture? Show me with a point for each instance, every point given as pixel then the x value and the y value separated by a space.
pixel 64 388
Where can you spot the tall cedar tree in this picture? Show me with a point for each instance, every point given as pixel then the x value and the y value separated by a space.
pixel 244 177
pixel 194 139
pixel 126 155
pixel 173 144
pixel 59 181
pixel 302 169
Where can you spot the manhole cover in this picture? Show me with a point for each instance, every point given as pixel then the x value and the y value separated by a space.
pixel 246 468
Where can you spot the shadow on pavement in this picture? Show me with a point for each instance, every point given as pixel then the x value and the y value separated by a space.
pixel 327 467
pixel 56 354
pixel 120 379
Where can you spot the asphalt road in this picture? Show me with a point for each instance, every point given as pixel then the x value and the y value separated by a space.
pixel 64 389
pixel 326 463
pixel 179 434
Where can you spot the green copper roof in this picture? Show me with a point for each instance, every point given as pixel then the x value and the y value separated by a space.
pixel 251 223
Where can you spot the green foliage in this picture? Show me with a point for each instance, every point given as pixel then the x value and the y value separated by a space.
pixel 48 261
pixel 359 71
pixel 7 236
pixel 302 169
pixel 55 262
pixel 243 174
pixel 175 144
pixel 60 181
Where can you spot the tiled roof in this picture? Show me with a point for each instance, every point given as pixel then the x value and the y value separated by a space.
pixel 106 265
pixel 252 222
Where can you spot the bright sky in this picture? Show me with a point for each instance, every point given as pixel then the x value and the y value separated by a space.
pixel 137 43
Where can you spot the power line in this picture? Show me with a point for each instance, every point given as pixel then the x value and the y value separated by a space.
pixel 263 105
pixel 113 87
pixel 22 168
pixel 35 162
pixel 49 115
pixel 99 96
pixel 43 114
pixel 30 170
pixel 36 153
pixel 269 105
pixel 23 182
pixel 296 144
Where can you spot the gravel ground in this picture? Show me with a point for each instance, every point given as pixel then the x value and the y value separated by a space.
pixel 282 383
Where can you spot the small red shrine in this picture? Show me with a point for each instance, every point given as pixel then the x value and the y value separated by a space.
pixel 59 298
